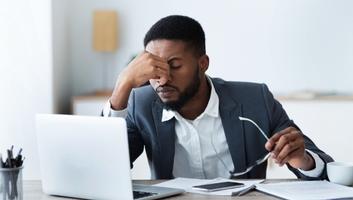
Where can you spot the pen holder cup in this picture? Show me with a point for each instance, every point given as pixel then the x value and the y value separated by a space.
pixel 11 183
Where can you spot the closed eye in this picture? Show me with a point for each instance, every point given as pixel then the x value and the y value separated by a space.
pixel 175 63
pixel 175 66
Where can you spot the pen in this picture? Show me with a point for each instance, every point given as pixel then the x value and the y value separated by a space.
pixel 18 159
pixel 19 152
pixel 241 193
pixel 9 159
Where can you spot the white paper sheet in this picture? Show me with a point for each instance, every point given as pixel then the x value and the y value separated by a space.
pixel 187 183
pixel 307 190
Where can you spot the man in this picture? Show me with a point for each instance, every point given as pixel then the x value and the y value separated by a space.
pixel 189 122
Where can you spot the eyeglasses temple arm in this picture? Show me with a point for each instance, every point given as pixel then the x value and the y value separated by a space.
pixel 251 121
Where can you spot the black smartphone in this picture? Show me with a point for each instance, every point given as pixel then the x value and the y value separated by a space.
pixel 218 186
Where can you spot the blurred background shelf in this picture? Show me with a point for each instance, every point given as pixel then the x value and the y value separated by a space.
pixel 90 103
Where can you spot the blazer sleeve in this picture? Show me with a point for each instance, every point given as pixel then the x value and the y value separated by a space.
pixel 279 120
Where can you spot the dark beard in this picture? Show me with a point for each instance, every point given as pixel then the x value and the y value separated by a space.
pixel 185 96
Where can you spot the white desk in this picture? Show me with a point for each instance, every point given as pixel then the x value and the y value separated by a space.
pixel 33 191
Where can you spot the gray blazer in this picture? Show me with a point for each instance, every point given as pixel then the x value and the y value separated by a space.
pixel 246 145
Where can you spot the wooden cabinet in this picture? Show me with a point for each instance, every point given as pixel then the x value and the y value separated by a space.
pixel 90 104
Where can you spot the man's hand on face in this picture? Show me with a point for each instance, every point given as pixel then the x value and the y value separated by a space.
pixel 144 67
pixel 287 146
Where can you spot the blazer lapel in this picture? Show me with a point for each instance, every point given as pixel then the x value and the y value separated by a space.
pixel 165 134
pixel 230 110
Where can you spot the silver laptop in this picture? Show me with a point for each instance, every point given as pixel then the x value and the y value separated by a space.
pixel 88 157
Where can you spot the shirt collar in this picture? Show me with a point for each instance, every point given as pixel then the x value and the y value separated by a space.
pixel 211 108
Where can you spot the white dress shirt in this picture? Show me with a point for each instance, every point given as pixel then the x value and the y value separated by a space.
pixel 201 149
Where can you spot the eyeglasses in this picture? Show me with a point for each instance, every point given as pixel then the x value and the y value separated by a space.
pixel 257 162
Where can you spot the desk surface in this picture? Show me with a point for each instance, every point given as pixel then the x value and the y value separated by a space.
pixel 33 191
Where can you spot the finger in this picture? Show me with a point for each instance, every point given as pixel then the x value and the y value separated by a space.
pixel 288 158
pixel 157 73
pixel 273 140
pixel 291 156
pixel 163 80
pixel 287 149
pixel 151 60
pixel 155 57
pixel 157 66
pixel 161 75
pixel 285 160
pixel 283 140
pixel 161 65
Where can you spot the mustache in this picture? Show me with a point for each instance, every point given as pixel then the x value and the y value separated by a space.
pixel 166 88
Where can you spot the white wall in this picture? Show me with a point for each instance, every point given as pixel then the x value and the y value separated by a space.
pixel 25 75
pixel 287 44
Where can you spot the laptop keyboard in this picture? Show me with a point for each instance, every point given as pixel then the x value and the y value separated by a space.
pixel 140 194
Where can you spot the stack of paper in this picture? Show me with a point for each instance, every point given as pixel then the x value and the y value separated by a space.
pixel 307 190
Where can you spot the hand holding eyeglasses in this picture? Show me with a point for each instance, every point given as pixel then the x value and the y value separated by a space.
pixel 287 146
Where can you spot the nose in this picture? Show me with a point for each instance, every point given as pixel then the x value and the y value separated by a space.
pixel 164 80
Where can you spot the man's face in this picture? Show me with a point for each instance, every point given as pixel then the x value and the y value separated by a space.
pixel 184 72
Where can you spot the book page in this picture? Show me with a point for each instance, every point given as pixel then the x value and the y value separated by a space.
pixel 306 190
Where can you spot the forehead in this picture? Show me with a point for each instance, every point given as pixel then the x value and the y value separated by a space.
pixel 167 48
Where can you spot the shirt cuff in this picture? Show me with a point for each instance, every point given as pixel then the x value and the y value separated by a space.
pixel 319 166
pixel 109 112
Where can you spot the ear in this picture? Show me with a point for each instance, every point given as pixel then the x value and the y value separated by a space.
pixel 203 63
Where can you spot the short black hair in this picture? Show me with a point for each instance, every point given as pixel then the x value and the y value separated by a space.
pixel 178 27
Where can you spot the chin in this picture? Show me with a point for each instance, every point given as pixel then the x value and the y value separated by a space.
pixel 169 99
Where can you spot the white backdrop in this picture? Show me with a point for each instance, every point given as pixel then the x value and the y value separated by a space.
pixel 290 45
pixel 25 75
